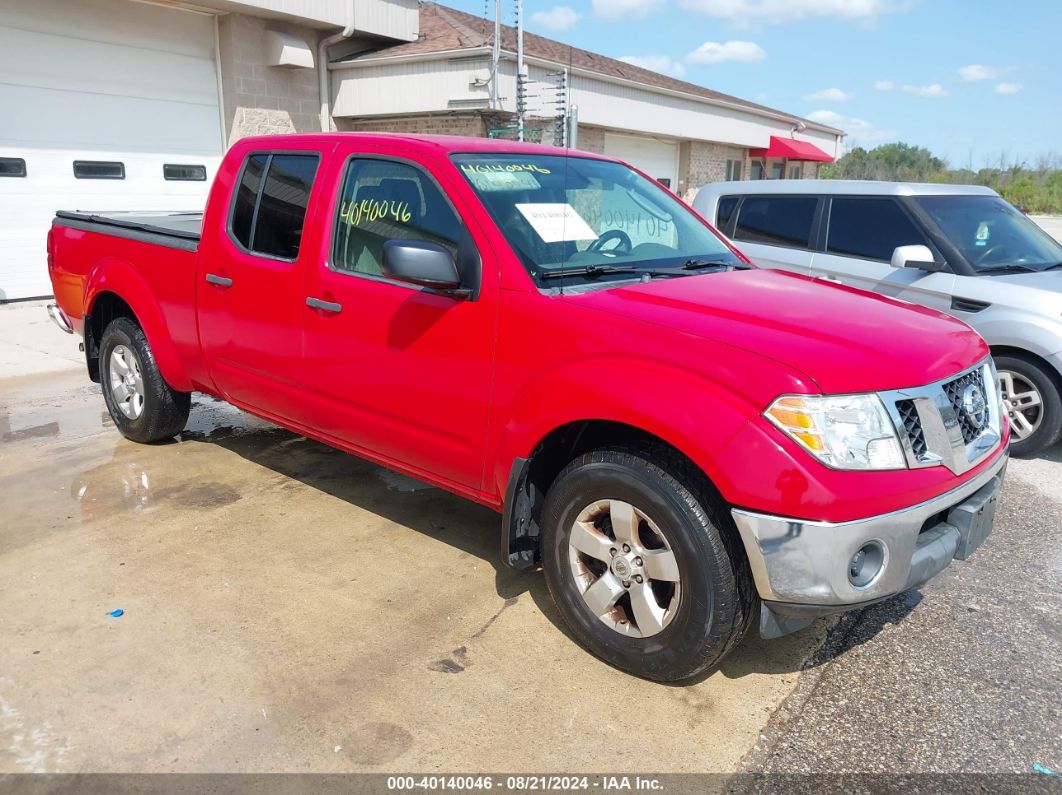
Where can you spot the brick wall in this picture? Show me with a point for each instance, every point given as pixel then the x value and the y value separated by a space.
pixel 701 162
pixel 259 99
pixel 592 139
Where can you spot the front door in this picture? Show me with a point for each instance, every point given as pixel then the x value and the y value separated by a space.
pixel 862 233
pixel 398 370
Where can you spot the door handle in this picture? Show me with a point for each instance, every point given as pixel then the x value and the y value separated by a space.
pixel 324 306
pixel 220 281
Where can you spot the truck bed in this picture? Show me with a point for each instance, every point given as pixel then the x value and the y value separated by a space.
pixel 174 229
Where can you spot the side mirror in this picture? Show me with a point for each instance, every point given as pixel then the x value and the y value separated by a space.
pixel 420 262
pixel 919 257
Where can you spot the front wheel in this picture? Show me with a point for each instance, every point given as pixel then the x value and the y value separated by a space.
pixel 643 576
pixel 1031 399
pixel 143 406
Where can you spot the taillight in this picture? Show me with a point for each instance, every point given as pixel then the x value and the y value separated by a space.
pixel 51 248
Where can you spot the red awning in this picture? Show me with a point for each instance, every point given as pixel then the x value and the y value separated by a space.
pixel 792 149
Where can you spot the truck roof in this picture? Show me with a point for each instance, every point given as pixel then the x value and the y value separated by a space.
pixel 448 144
pixel 845 186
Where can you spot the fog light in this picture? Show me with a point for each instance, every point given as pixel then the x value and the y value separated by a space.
pixel 866 564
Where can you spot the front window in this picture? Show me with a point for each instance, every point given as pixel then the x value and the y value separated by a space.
pixel 579 219
pixel 991 234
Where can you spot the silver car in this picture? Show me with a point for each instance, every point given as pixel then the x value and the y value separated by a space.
pixel 961 249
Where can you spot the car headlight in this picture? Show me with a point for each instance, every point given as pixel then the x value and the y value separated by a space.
pixel 842 431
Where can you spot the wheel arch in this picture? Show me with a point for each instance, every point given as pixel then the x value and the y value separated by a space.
pixel 530 478
pixel 116 289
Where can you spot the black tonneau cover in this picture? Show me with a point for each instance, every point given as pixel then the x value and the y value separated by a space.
pixel 174 229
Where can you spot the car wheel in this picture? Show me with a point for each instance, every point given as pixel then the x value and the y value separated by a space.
pixel 143 406
pixel 1031 399
pixel 645 577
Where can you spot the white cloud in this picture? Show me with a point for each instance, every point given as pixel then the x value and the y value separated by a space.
pixel 558 18
pixel 884 85
pixel 976 71
pixel 1008 88
pixel 860 131
pixel 933 90
pixel 714 52
pixel 828 95
pixel 618 9
pixel 743 12
pixel 664 64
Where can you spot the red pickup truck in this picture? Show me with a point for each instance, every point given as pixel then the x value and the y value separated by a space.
pixel 684 443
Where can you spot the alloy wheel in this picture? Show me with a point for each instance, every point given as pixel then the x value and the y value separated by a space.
pixel 1023 404
pixel 126 381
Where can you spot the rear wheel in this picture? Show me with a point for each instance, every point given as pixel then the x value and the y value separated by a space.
pixel 1031 398
pixel 143 406
pixel 644 577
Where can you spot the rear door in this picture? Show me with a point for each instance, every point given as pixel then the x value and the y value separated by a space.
pixel 777 231
pixel 250 290
pixel 861 234
pixel 396 370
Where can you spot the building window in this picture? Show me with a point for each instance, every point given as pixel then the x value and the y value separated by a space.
pixel 180 173
pixel 756 171
pixel 733 170
pixel 12 167
pixel 99 169
pixel 777 170
pixel 795 170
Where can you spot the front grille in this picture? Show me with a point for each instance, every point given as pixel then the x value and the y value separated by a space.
pixel 913 426
pixel 970 425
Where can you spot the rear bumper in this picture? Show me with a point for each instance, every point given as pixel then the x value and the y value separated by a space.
pixel 60 319
pixel 801 568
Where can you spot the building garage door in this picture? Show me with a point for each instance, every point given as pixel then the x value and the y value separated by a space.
pixel 659 159
pixel 120 88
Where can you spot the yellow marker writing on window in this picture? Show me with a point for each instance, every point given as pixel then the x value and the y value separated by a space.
pixel 368 210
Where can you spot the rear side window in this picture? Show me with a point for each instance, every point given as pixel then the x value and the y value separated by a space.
pixel 725 211
pixel 777 220
pixel 269 208
pixel 869 228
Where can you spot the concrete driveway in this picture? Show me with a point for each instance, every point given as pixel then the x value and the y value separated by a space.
pixel 290 608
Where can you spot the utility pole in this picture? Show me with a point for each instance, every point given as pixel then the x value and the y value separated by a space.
pixel 495 56
pixel 521 74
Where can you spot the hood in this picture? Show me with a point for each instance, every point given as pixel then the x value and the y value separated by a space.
pixel 844 339
pixel 1051 281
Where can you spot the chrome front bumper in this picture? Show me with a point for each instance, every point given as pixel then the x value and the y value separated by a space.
pixel 801 568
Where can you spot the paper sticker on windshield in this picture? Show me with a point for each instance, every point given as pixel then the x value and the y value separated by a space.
pixel 556 223
pixel 501 180
pixel 982 235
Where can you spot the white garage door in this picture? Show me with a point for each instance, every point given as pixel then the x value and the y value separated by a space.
pixel 122 89
pixel 658 159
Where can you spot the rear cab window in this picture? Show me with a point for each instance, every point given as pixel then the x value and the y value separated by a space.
pixel 269 205
pixel 777 220
pixel 869 228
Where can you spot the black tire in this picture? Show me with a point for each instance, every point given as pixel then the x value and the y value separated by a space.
pixel 165 410
pixel 716 599
pixel 1050 428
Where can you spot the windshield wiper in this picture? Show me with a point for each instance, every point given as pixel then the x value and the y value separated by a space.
pixel 1008 269
pixel 1056 267
pixel 698 264
pixel 588 270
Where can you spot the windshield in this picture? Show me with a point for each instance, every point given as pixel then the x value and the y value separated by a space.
pixel 992 234
pixel 577 219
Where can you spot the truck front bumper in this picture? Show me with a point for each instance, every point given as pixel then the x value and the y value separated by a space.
pixel 805 569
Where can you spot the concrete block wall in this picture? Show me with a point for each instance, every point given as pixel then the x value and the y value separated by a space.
pixel 433 124
pixel 592 139
pixel 259 99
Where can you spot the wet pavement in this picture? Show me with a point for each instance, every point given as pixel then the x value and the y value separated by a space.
pixel 291 608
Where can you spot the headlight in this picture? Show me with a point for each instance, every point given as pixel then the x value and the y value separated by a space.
pixel 842 431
